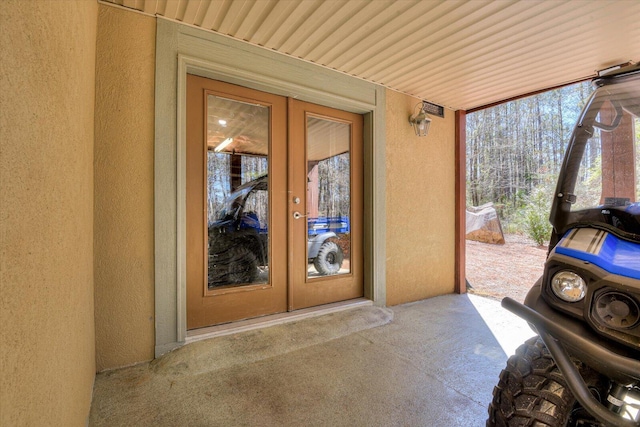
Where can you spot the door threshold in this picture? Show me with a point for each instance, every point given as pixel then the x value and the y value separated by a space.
pixel 273 319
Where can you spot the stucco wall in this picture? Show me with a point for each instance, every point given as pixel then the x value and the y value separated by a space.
pixel 420 198
pixel 47 86
pixel 124 126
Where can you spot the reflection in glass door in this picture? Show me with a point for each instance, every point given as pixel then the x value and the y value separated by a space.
pixel 328 197
pixel 237 193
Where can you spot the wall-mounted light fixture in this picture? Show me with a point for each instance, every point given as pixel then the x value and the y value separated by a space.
pixel 420 120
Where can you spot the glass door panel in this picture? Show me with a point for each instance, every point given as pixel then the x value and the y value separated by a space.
pixel 237 199
pixel 328 197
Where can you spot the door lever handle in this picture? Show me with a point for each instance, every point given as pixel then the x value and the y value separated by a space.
pixel 298 215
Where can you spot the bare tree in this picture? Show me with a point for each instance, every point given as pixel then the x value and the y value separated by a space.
pixel 516 147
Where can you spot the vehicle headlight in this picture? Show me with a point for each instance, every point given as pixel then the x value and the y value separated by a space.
pixel 568 286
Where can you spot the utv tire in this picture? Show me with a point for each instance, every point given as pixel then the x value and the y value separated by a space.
pixel 532 392
pixel 243 266
pixel 329 259
pixel 236 265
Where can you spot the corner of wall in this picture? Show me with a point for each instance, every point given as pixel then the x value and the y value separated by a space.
pixel 124 182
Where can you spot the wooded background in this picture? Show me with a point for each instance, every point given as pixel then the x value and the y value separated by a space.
pixel 515 150
pixel 333 180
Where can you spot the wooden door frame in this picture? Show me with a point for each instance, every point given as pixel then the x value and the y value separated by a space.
pixel 181 50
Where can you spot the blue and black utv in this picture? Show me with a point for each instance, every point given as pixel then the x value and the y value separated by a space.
pixel 238 239
pixel 583 368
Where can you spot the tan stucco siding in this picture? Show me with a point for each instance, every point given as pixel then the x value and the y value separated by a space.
pixel 47 86
pixel 420 200
pixel 124 125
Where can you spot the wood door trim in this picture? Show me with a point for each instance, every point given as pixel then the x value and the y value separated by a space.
pixel 231 288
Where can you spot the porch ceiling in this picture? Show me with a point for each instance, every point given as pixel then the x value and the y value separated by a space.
pixel 460 54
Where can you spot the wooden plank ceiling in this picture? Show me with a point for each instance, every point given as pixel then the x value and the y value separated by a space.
pixel 460 54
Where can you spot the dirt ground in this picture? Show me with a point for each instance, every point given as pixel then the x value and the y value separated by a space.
pixel 509 270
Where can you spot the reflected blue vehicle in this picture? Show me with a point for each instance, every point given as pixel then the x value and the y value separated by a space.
pixel 239 240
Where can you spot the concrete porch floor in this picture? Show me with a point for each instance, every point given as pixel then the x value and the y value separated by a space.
pixel 428 363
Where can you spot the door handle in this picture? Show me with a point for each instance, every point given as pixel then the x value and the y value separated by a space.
pixel 298 215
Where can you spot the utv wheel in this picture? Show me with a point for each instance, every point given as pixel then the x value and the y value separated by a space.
pixel 329 259
pixel 243 266
pixel 532 392
pixel 236 265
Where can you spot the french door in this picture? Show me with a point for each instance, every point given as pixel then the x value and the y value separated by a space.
pixel 325 169
pixel 274 204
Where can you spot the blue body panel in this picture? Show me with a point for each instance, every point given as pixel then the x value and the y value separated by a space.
pixel 615 255
pixel 323 224
pixel 317 226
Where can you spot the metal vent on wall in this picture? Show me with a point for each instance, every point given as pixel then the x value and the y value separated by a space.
pixel 433 109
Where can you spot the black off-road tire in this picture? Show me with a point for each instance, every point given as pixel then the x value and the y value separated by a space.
pixel 237 265
pixel 243 266
pixel 533 392
pixel 329 259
